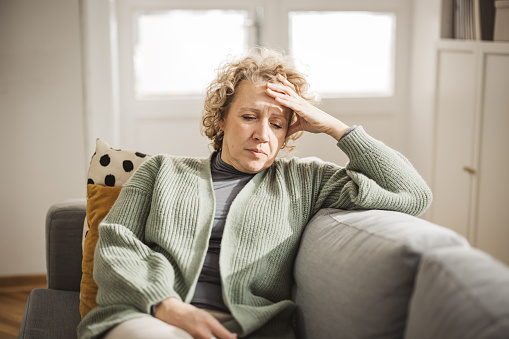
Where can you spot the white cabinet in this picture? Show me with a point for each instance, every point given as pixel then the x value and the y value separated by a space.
pixel 492 232
pixel 471 147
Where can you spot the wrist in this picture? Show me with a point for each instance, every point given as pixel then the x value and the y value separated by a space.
pixel 338 129
pixel 162 307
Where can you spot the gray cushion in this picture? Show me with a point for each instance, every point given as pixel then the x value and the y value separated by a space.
pixel 50 314
pixel 355 272
pixel 64 230
pixel 460 293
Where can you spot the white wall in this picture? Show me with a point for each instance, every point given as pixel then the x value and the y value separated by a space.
pixel 41 124
pixel 425 35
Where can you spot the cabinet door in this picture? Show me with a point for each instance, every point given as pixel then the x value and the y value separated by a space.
pixel 454 135
pixel 493 198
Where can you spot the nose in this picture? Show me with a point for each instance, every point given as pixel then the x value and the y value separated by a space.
pixel 262 130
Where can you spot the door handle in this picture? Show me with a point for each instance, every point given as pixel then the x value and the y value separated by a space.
pixel 469 170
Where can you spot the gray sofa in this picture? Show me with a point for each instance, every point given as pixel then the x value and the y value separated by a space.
pixel 363 274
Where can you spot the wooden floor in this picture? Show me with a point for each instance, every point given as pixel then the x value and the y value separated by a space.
pixel 14 293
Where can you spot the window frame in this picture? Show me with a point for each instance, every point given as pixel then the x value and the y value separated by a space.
pixel 389 91
pixel 366 105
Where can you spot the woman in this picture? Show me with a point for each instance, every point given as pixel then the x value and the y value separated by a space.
pixel 204 248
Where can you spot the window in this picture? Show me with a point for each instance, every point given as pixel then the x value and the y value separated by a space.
pixel 170 46
pixel 345 53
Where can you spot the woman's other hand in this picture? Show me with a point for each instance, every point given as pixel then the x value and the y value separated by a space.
pixel 198 323
pixel 309 118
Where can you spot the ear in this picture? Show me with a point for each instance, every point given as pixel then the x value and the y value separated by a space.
pixel 222 122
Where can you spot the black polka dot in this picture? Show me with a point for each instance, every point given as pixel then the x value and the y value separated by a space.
pixel 128 165
pixel 105 160
pixel 109 180
pixel 141 155
pixel 90 181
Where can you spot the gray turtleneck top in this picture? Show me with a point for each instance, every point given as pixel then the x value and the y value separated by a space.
pixel 228 182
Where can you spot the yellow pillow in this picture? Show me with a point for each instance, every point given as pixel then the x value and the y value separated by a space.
pixel 100 200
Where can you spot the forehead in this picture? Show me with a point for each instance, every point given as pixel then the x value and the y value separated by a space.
pixel 253 95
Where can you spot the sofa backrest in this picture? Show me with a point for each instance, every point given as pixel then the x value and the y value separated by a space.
pixel 64 232
pixel 355 272
pixel 460 293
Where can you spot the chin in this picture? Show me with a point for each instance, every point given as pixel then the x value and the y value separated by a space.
pixel 255 167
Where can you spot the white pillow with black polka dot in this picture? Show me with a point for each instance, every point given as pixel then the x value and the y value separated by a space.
pixel 113 167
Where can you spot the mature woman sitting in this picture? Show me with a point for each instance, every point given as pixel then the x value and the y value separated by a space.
pixel 204 248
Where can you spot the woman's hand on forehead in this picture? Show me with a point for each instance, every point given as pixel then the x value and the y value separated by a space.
pixel 309 118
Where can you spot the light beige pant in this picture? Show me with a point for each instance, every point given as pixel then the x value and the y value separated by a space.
pixel 153 328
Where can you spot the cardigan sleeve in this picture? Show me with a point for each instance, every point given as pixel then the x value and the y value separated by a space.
pixel 126 270
pixel 376 177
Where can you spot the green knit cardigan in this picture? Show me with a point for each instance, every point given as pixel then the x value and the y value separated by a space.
pixel 153 242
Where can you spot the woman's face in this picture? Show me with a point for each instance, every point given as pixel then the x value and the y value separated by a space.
pixel 254 128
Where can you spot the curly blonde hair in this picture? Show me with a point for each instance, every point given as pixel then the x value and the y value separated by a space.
pixel 260 64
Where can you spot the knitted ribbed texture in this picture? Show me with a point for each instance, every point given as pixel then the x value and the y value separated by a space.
pixel 154 240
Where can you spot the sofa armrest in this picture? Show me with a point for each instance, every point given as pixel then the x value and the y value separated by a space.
pixel 50 314
pixel 64 231
pixel 355 270
pixel 460 293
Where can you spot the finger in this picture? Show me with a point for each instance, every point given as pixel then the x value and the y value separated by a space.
pixel 284 100
pixel 285 81
pixel 216 328
pixel 283 97
pixel 275 94
pixel 282 88
pixel 280 98
pixel 220 332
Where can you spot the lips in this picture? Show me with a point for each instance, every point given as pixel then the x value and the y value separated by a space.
pixel 257 152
